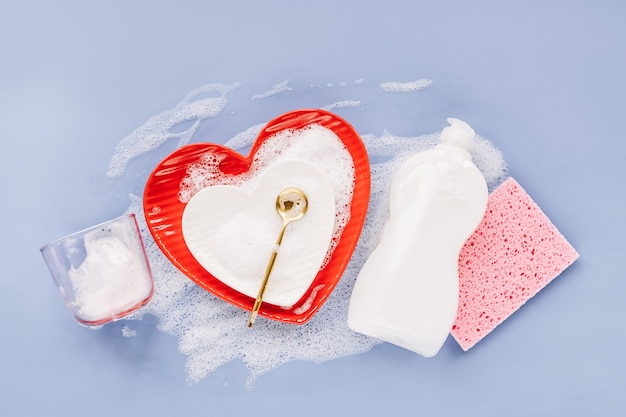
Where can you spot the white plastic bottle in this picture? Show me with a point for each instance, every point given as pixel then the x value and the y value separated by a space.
pixel 407 291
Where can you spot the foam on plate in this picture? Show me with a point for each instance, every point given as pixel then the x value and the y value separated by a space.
pixel 212 332
pixel 314 143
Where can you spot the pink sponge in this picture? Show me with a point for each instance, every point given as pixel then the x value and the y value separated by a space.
pixel 512 255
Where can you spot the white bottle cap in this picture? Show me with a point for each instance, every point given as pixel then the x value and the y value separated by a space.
pixel 458 133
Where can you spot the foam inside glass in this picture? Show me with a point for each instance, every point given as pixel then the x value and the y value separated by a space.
pixel 102 272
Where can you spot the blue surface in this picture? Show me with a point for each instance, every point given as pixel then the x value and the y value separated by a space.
pixel 544 80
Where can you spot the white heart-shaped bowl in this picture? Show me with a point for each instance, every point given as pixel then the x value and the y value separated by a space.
pixel 232 230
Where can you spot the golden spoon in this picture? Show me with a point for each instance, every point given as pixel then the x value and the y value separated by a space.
pixel 291 205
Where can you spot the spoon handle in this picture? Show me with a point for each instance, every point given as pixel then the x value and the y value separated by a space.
pixel 268 271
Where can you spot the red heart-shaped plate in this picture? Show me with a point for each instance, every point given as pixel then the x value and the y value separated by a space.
pixel 163 210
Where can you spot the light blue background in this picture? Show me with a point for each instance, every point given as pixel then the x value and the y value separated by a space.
pixel 544 80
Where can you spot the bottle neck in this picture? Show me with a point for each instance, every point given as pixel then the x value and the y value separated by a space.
pixel 453 148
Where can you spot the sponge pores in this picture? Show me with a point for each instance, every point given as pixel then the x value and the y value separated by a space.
pixel 514 253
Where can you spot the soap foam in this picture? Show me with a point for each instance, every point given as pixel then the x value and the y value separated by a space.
pixel 278 88
pixel 157 130
pixel 406 87
pixel 342 105
pixel 212 332
pixel 314 143
pixel 113 276
pixel 128 332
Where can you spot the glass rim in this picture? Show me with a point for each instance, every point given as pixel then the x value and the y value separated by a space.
pixel 90 228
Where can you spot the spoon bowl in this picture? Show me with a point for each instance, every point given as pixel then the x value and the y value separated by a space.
pixel 291 204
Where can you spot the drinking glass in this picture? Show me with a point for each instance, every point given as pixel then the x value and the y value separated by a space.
pixel 102 272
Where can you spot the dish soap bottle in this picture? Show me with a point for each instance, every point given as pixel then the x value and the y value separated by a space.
pixel 407 292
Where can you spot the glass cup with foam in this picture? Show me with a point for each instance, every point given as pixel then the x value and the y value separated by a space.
pixel 102 272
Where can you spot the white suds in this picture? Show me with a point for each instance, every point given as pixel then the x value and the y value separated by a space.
pixel 314 143
pixel 406 87
pixel 128 332
pixel 212 332
pixel 113 277
pixel 342 104
pixel 309 301
pixel 277 89
pixel 244 139
pixel 157 130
